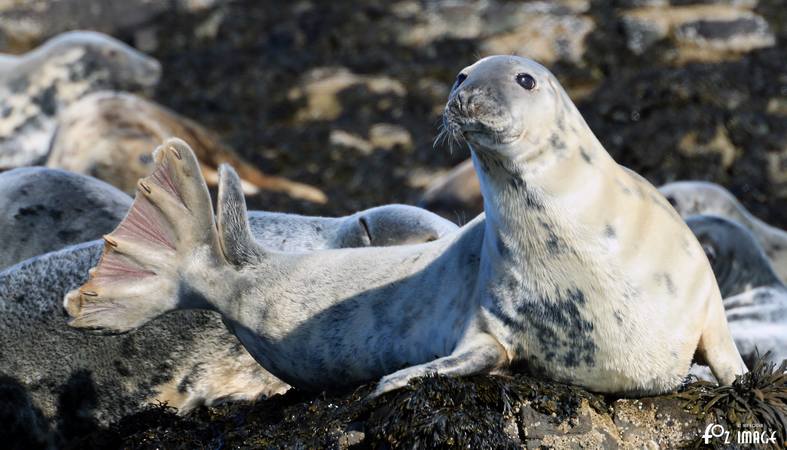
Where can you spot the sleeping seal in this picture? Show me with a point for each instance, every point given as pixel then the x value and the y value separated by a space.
pixel 34 87
pixel 754 298
pixel 700 197
pixel 109 135
pixel 43 210
pixel 185 359
pixel 580 270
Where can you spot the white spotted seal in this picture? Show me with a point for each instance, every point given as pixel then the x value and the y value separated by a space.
pixel 185 359
pixel 34 87
pixel 701 197
pixel 615 299
pixel 109 135
pixel 755 299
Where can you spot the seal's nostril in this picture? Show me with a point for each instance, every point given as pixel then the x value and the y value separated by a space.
pixel 461 100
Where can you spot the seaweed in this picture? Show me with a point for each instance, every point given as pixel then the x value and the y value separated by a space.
pixel 756 400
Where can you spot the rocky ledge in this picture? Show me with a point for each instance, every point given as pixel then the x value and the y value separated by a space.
pixel 472 412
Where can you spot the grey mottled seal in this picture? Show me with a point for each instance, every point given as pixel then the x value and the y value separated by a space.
pixel 700 197
pixel 45 209
pixel 184 359
pixel 614 299
pixel 109 135
pixel 34 87
pixel 755 299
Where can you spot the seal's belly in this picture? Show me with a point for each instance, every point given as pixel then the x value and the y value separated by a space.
pixel 622 345
pixel 339 362
pixel 359 339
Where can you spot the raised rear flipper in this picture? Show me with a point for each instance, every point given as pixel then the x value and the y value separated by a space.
pixel 168 232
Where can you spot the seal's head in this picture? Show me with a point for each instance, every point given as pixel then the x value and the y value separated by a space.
pixel 701 197
pixel 738 261
pixel 501 101
pixel 89 54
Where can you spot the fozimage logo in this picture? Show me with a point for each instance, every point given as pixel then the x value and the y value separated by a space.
pixel 752 434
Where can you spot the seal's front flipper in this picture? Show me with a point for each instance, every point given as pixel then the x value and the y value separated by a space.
pixel 482 354
pixel 168 230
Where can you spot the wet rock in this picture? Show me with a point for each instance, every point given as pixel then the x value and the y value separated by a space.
pixel 350 439
pixel 656 420
pixel 697 32
pixel 389 136
pixel 547 32
pixel 319 91
pixel 25 24
pixel 341 138
pixel 439 20
pixel 719 144
pixel 740 34
pixel 469 412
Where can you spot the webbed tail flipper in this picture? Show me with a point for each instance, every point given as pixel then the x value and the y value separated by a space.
pixel 169 230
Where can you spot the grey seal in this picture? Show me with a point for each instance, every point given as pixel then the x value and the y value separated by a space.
pixel 701 197
pixel 614 299
pixel 42 210
pixel 109 135
pixel 186 359
pixel 34 87
pixel 755 299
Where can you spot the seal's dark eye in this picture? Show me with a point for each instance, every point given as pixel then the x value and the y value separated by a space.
pixel 710 252
pixel 459 79
pixel 526 81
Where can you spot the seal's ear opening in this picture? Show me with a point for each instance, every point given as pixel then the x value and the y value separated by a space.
pixel 237 242
pixel 354 233
pixel 709 249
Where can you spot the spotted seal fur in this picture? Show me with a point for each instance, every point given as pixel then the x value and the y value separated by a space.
pixel 109 135
pixel 42 210
pixel 34 87
pixel 579 271
pixel 185 359
pixel 701 197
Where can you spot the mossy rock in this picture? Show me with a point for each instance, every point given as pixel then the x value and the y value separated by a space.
pixel 471 412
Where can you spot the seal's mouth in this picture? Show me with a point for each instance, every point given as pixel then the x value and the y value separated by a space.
pixel 150 73
pixel 457 128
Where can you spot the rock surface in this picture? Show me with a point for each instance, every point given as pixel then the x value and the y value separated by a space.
pixel 439 412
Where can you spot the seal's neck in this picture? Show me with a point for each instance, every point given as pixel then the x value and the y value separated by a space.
pixel 541 188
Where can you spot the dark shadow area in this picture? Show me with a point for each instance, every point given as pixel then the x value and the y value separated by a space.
pixel 77 401
pixel 22 425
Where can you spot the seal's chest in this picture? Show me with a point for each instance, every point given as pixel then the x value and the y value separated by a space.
pixel 558 327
